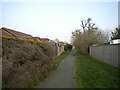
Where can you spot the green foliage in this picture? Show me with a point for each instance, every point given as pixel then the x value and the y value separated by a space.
pixel 91 73
pixel 116 33
pixel 68 47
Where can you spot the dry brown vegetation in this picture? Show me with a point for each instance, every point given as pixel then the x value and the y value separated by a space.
pixel 23 62
pixel 87 36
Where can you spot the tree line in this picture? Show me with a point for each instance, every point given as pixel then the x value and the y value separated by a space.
pixel 90 35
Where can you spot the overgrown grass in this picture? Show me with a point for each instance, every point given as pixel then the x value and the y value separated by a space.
pixel 91 73
pixel 38 80
pixel 56 62
pixel 41 44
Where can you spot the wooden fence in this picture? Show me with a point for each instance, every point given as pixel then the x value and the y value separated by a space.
pixel 109 54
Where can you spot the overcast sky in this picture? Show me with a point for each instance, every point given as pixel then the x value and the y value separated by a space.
pixel 57 19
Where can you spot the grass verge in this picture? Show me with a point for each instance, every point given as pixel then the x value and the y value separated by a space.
pixel 38 80
pixel 91 73
pixel 56 62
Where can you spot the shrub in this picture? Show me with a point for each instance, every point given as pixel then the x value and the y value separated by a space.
pixel 23 63
pixel 68 47
pixel 18 40
pixel 8 37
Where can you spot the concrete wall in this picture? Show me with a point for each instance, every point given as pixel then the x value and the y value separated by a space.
pixel 109 54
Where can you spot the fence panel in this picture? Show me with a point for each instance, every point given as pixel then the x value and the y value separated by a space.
pixel 109 54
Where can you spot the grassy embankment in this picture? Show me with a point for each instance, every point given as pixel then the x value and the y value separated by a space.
pixel 91 73
pixel 24 60
pixel 56 63
pixel 28 48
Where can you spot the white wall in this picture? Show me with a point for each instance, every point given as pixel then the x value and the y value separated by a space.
pixel 117 41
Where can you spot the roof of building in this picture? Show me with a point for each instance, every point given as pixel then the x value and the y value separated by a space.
pixel 35 38
pixel 12 33
pixel 44 38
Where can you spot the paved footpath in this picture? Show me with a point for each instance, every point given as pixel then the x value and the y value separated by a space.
pixel 63 76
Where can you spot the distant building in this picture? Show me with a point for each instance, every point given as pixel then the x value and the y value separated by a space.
pixel 54 45
pixel 35 38
pixel 116 41
pixel 61 47
pixel 46 40
pixel 57 46
pixel 15 34
pixel 65 43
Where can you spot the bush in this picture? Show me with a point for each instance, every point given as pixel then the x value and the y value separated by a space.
pixel 24 62
pixel 68 47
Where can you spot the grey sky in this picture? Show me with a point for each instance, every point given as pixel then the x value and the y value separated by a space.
pixel 57 19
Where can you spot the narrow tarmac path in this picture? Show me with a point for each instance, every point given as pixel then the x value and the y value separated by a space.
pixel 63 76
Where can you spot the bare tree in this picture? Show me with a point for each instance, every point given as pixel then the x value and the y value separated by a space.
pixel 87 36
